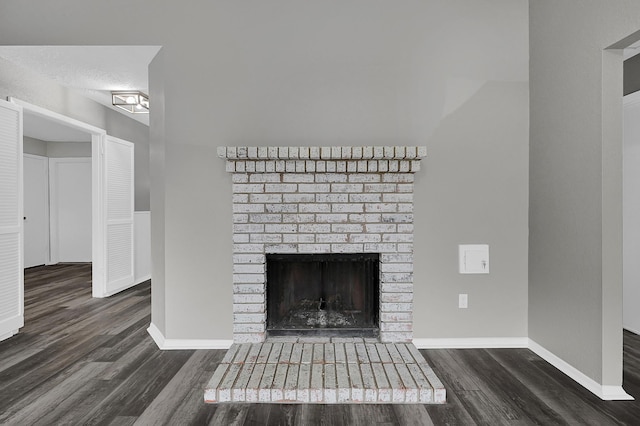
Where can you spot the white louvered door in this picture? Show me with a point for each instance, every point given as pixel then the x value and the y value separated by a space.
pixel 118 214
pixel 11 237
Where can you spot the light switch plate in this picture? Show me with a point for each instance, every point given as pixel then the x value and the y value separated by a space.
pixel 474 258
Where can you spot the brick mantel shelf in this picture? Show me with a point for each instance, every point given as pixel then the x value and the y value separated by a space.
pixel 356 199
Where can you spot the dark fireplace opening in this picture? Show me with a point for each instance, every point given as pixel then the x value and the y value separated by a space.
pixel 323 294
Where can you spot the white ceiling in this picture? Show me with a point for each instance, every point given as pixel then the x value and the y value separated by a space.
pixel 38 127
pixel 94 71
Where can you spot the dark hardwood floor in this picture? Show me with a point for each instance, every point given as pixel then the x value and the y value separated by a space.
pixel 84 361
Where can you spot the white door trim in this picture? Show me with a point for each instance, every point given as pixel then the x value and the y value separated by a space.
pixel 97 137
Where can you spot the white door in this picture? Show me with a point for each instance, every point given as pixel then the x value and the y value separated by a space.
pixel 118 206
pixel 70 198
pixel 36 210
pixel 11 237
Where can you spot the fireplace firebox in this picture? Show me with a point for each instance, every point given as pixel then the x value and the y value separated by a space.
pixel 323 294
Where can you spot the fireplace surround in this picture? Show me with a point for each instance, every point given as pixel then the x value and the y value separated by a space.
pixel 322 201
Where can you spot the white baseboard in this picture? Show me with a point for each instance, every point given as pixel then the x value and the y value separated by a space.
pixel 607 393
pixel 472 343
pixel 184 344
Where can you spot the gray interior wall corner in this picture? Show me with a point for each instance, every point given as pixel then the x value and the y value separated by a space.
pixel 157 150
pixel 575 182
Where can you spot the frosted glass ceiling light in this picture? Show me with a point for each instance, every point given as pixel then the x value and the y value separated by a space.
pixel 133 102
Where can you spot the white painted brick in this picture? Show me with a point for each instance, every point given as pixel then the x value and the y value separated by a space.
pixel 248 248
pixel 405 208
pixel 346 187
pixel 314 228
pixel 280 248
pixel 395 326
pixel 313 187
pixel 405 166
pixel 405 228
pixel 248 208
pixel 298 198
pixel 222 151
pixel 394 166
pixel 248 328
pixel 380 248
pixel 405 248
pixel 280 187
pixel 396 307
pixel 294 152
pixel 332 198
pixel 398 177
pixel 283 152
pixel 240 166
pixel 248 279
pixel 415 166
pixel 290 166
pixel 400 151
pixel 240 198
pixel 310 166
pixel 397 238
pixel 230 166
pixel 383 166
pixel 396 258
pixel 241 238
pixel 365 218
pixel 352 167
pixel 398 198
pixel 331 177
pixel 248 268
pixel 321 166
pixel 347 227
pixel 346 152
pixel 411 152
pixel 266 238
pixel 341 166
pixel 331 167
pixel 398 218
pixel 332 238
pixel 263 152
pixel 404 187
pixel 304 152
pixel 248 228
pixel 378 152
pixel 242 151
pixel 396 317
pixel 381 207
pixel 300 166
pixel 396 337
pixel 397 287
pixel 299 238
pixel 396 267
pixel 356 152
pixel 347 248
pixel 380 227
pixel 248 288
pixel 380 187
pixel 247 187
pixel 314 208
pixel 422 151
pixel 396 277
pixel 260 166
pixel 265 218
pixel 248 338
pixel 365 198
pixel 249 318
pixel 347 208
pixel 389 152
pixel 248 258
pixel 314 248
pixel 396 297
pixel 251 166
pixel 248 307
pixel 281 208
pixel 265 198
pixel 252 152
pixel 298 218
pixel 367 152
pixel 280 166
pixel 372 166
pixel 332 218
pixel 365 238
pixel 248 298
pixel 297 177
pixel 280 228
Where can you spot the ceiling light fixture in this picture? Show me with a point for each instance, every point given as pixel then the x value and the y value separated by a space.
pixel 133 101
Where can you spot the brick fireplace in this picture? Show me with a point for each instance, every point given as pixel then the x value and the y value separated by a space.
pixel 321 200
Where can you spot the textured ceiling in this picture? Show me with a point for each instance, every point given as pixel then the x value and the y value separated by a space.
pixel 95 71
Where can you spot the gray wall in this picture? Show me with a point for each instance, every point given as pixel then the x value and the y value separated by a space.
pixel 575 249
pixel 449 74
pixel 27 86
